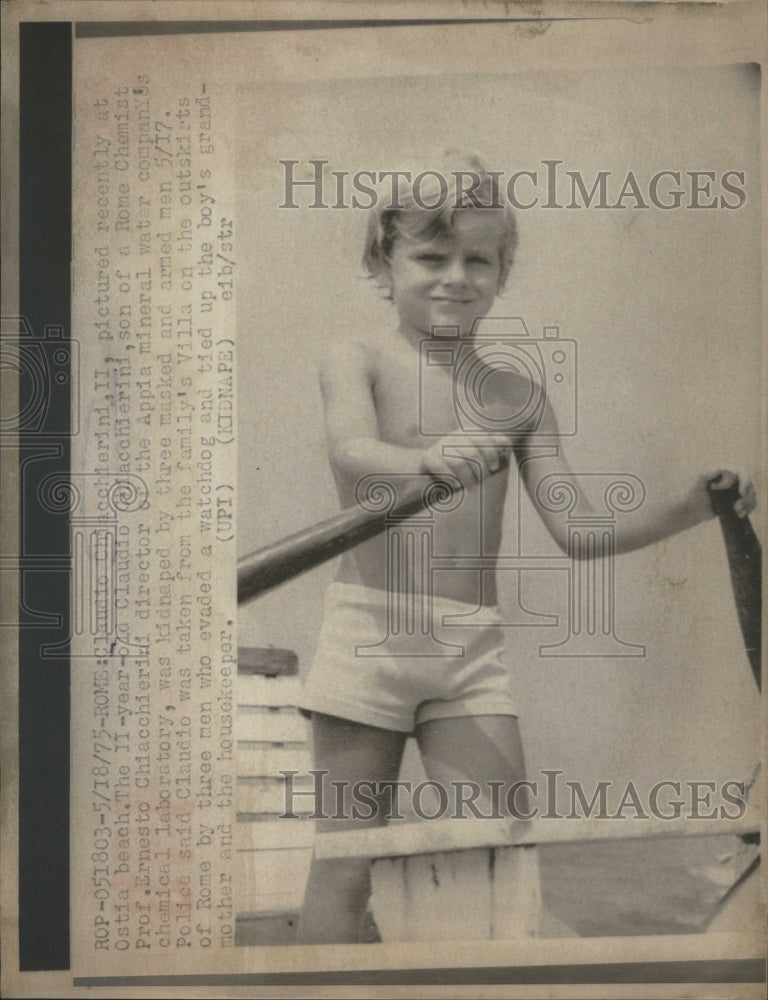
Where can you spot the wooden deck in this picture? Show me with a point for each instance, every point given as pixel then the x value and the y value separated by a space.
pixel 598 878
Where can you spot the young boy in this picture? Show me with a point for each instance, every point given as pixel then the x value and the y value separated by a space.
pixel 442 267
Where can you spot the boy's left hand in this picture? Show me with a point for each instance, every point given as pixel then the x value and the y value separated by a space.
pixel 724 479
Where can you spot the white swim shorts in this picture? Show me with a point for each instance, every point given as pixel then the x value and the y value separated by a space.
pixel 364 672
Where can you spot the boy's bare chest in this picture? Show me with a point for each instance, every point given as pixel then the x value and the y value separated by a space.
pixel 416 402
pixel 412 405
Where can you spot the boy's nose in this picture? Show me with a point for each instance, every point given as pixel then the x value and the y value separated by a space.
pixel 455 272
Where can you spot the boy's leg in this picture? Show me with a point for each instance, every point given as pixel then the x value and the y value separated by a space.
pixel 466 754
pixel 337 890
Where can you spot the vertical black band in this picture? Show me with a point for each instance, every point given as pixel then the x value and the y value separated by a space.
pixel 44 448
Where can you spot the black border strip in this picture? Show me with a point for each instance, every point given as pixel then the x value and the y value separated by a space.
pixel 751 970
pixel 45 228
pixel 115 29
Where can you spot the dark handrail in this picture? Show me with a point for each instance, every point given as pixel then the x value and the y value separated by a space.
pixel 291 556
pixel 745 563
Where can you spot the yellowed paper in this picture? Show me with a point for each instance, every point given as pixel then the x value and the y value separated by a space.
pixel 222 172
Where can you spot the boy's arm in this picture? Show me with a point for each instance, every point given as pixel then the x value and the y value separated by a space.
pixel 355 448
pixel 651 522
pixel 351 426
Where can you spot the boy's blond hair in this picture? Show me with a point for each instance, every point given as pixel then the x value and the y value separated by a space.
pixel 421 205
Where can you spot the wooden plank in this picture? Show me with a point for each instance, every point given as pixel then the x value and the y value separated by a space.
pixel 600 888
pixel 282 726
pixel 390 898
pixel 263 873
pixel 267 660
pixel 300 786
pixel 450 834
pixel 256 689
pixel 266 929
pixel 268 760
pixel 270 797
pixel 475 895
pixel 249 906
pixel 279 928
pixel 270 881
pixel 290 834
pixel 516 906
pixel 447 898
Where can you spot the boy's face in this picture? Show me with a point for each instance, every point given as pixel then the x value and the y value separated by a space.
pixel 451 279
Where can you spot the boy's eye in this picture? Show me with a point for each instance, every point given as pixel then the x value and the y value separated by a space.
pixel 435 258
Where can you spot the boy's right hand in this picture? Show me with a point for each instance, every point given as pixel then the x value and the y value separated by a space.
pixel 470 459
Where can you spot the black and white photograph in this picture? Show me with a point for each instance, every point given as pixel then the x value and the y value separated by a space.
pixel 384 411
pixel 536 326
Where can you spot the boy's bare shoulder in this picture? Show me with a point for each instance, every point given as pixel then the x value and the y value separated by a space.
pixel 343 352
pixel 355 353
pixel 344 363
